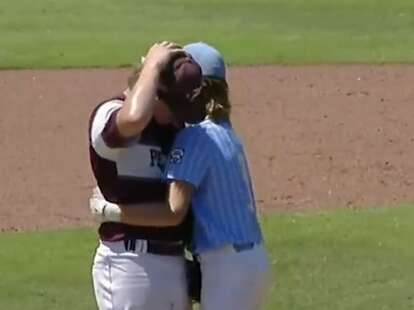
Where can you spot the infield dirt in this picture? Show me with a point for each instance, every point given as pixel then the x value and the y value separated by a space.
pixel 316 136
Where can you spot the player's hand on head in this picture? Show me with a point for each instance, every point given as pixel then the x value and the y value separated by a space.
pixel 161 54
pixel 171 45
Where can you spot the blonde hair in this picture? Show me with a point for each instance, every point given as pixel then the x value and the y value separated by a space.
pixel 215 96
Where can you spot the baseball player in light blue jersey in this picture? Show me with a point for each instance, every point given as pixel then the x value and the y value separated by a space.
pixel 209 157
pixel 207 167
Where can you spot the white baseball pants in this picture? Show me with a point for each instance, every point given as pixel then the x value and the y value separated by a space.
pixel 138 281
pixel 234 280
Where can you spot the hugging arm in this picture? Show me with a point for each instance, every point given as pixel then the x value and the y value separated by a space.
pixel 160 214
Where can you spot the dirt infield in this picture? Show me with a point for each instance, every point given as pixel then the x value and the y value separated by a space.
pixel 317 137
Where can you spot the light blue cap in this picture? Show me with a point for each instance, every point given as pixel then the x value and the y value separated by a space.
pixel 210 60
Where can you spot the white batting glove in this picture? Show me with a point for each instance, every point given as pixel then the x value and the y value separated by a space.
pixel 96 193
pixel 102 210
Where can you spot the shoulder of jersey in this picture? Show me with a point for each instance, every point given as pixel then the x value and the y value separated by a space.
pixel 111 102
pixel 106 105
pixel 194 129
pixel 200 126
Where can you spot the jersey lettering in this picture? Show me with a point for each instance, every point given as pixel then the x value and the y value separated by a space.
pixel 157 159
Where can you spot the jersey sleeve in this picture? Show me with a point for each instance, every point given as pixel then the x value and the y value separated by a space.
pixel 105 136
pixel 189 159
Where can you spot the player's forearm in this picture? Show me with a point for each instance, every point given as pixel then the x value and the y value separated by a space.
pixel 161 214
pixel 139 106
pixel 150 215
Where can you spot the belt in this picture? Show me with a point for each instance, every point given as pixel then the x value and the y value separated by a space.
pixel 240 247
pixel 154 247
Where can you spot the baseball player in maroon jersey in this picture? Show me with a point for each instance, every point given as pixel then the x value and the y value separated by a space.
pixel 141 267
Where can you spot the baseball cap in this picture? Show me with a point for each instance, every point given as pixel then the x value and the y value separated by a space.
pixel 180 78
pixel 178 86
pixel 210 60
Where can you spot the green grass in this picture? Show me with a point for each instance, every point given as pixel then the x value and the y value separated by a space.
pixel 343 260
pixel 79 33
pixel 332 260
pixel 46 270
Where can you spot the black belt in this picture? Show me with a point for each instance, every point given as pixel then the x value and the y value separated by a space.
pixel 241 247
pixel 175 248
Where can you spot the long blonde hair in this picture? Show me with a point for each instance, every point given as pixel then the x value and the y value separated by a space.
pixel 214 94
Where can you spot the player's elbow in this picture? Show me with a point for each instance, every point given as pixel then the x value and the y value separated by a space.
pixel 130 124
pixel 179 199
pixel 177 217
pixel 131 118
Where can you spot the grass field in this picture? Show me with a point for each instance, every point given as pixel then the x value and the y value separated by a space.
pixel 334 260
pixel 338 260
pixel 78 33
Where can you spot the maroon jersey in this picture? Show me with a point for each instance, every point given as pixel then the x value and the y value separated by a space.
pixel 130 171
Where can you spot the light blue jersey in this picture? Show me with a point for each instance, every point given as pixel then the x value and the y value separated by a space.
pixel 211 157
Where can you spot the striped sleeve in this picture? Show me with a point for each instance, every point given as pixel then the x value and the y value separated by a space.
pixel 189 158
pixel 105 137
